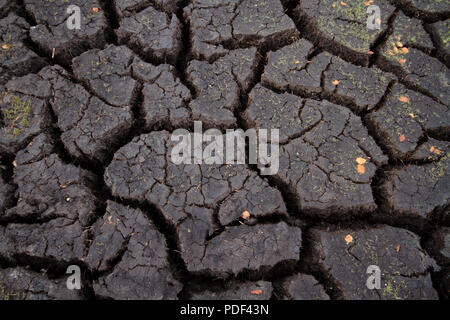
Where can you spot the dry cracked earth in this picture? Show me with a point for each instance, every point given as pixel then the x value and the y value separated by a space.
pixel 85 172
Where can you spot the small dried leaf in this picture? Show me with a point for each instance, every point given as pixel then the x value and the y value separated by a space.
pixel 348 239
pixel 435 150
pixel 361 160
pixel 403 99
pixel 402 138
pixel 397 248
pixel 361 169
pixel 245 215
pixel 336 82
pixel 257 292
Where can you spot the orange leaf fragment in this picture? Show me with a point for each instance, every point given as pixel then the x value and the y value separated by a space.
pixel 404 50
pixel 258 291
pixel 361 160
pixel 95 9
pixel 343 3
pixel 397 248
pixel 435 150
pixel 245 215
pixel 402 61
pixel 348 239
pixel 361 169
pixel 403 99
pixel 336 82
pixel 6 46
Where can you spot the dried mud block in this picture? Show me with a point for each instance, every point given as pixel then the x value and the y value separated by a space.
pixel 345 256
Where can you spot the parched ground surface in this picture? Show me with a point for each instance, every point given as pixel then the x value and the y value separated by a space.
pixel 86 176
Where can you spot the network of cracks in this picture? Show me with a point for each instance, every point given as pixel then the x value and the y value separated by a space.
pixel 86 179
